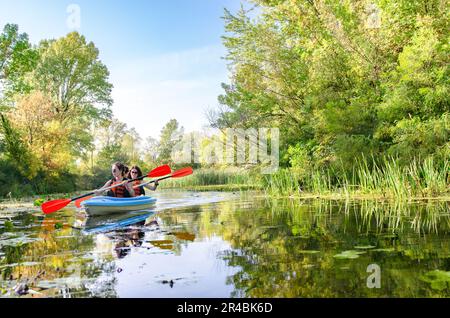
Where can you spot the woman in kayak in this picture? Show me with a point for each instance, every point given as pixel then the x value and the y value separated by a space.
pixel 119 176
pixel 136 172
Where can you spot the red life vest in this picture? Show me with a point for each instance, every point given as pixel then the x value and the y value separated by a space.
pixel 119 191
pixel 138 190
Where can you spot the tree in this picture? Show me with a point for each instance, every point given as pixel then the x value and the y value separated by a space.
pixel 70 71
pixel 130 145
pixel 151 150
pixel 17 57
pixel 16 150
pixel 110 136
pixel 415 114
pixel 337 87
pixel 170 135
pixel 42 132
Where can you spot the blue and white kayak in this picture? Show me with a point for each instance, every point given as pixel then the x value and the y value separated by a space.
pixel 100 225
pixel 106 205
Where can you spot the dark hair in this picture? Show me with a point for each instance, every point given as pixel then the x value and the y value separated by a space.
pixel 121 167
pixel 137 169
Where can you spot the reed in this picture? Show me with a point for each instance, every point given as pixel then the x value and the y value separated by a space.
pixel 386 179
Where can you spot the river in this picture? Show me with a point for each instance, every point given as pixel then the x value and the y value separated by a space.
pixel 223 244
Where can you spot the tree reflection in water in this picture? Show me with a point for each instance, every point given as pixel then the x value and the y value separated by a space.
pixel 275 248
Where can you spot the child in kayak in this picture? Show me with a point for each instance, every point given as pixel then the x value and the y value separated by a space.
pixel 122 191
pixel 135 172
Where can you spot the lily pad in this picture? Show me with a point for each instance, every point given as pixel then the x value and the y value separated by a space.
pixel 387 250
pixel 21 264
pixel 351 254
pixel 364 247
pixel 38 202
pixel 18 241
pixel 308 252
pixel 438 279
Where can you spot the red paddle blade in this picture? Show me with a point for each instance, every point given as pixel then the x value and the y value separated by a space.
pixel 159 171
pixel 78 202
pixel 182 172
pixel 54 205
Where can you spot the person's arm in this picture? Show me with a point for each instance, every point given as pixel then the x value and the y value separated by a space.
pixel 152 186
pixel 130 189
pixel 100 191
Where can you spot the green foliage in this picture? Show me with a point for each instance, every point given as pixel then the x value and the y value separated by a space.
pixel 17 57
pixel 71 59
pixel 9 226
pixel 52 96
pixel 38 202
pixel 439 280
pixel 170 135
pixel 15 150
pixel 340 86
pixel 386 178
pixel 342 80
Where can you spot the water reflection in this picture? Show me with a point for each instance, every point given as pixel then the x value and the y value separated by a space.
pixel 241 247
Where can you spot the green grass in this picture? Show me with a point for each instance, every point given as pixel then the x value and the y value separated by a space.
pixel 386 179
pixel 389 179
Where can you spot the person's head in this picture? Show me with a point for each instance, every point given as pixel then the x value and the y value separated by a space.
pixel 118 170
pixel 135 172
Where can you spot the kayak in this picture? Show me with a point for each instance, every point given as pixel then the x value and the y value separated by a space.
pixel 102 224
pixel 107 205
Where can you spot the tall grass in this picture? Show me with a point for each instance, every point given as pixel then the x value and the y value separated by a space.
pixel 387 179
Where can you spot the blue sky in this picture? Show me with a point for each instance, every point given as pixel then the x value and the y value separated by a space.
pixel 164 57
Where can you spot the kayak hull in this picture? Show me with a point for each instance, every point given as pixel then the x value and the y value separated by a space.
pixel 111 222
pixel 110 205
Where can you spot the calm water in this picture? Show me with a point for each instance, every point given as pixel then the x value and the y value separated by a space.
pixel 215 244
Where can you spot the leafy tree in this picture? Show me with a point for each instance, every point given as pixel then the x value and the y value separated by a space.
pixel 130 144
pixel 17 57
pixel 70 71
pixel 414 114
pixel 338 85
pixel 151 150
pixel 170 135
pixel 15 150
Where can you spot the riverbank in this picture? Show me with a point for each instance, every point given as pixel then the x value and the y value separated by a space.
pixel 307 195
pixel 368 180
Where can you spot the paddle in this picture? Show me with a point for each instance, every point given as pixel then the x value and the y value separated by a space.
pixel 55 205
pixel 177 174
